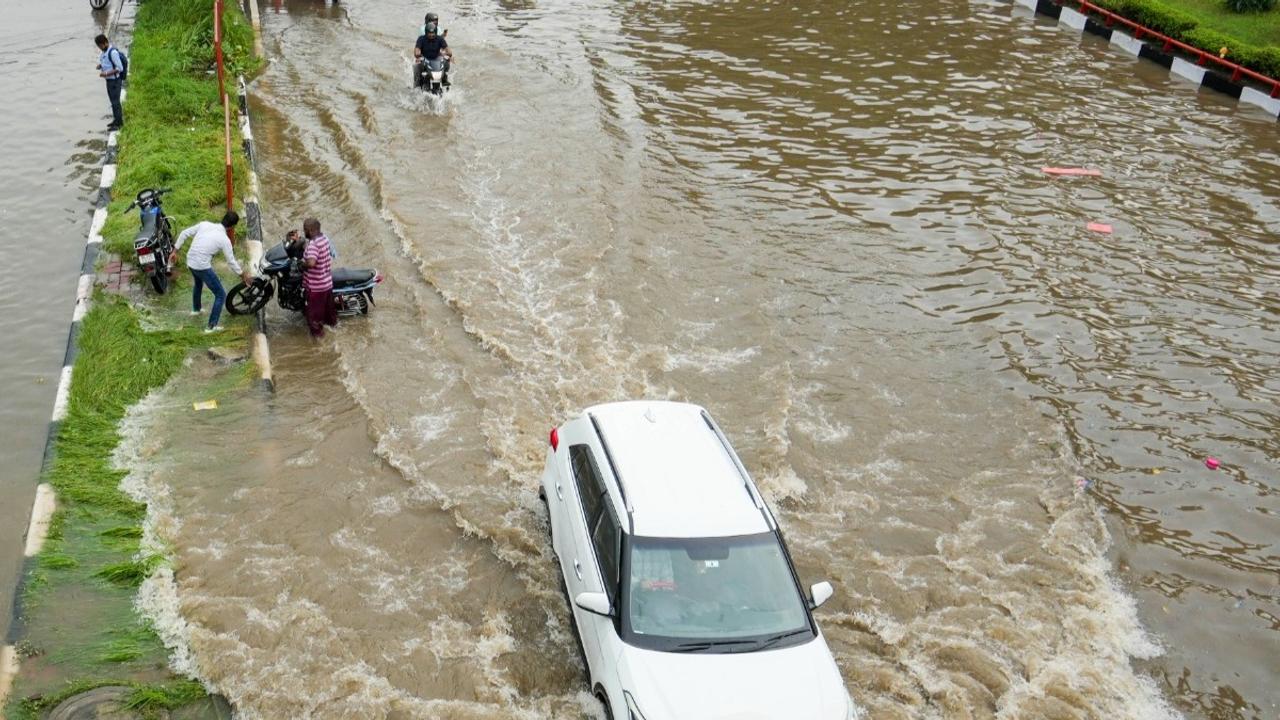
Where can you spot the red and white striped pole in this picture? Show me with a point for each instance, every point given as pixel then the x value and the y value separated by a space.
pixel 226 109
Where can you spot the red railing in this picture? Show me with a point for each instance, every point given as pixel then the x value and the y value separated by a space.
pixel 226 108
pixel 1237 71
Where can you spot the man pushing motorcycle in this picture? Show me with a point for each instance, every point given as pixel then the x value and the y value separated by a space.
pixel 317 278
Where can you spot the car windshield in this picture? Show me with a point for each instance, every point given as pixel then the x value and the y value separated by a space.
pixel 733 593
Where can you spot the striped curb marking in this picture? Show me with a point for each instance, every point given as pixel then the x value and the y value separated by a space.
pixel 1195 74
pixel 46 500
pixel 253 239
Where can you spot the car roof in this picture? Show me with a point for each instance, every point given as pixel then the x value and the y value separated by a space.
pixel 677 476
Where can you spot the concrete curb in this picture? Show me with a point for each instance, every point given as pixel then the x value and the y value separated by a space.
pixel 1195 74
pixel 253 241
pixel 46 501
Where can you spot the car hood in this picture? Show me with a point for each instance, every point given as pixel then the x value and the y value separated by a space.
pixel 783 684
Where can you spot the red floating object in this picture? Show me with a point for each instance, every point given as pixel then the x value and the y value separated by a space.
pixel 1080 172
pixel 1099 227
pixel 1212 463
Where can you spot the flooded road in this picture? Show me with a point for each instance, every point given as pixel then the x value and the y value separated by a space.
pixel 983 423
pixel 54 135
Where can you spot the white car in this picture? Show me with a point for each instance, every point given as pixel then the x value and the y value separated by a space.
pixel 686 603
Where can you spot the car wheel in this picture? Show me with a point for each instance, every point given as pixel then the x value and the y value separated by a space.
pixel 603 697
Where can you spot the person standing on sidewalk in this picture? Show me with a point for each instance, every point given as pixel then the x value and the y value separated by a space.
pixel 111 69
pixel 210 239
pixel 317 279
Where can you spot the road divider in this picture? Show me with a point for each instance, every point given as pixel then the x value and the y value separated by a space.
pixel 1142 42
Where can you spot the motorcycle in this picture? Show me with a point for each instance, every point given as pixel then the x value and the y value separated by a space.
pixel 154 241
pixel 282 276
pixel 432 75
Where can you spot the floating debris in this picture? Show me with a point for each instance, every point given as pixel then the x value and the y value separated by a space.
pixel 1076 172
pixel 205 405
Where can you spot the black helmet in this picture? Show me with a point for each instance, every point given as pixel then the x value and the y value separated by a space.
pixel 430 23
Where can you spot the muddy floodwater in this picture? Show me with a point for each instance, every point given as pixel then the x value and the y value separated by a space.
pixel 52 139
pixel 825 222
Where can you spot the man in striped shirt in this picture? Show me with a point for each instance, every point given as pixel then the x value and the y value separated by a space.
pixel 317 279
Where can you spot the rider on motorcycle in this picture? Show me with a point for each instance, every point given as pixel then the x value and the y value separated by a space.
pixel 431 44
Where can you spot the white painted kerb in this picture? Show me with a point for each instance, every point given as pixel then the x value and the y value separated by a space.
pixel 1128 43
pixel 8 668
pixel 108 176
pixel 41 514
pixel 1186 70
pixel 1072 19
pixel 64 391
pixel 1261 99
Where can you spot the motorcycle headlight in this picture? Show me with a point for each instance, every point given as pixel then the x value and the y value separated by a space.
pixel 633 710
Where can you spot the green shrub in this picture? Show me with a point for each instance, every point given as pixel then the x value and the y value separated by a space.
pixel 1264 60
pixel 1250 6
pixel 1153 15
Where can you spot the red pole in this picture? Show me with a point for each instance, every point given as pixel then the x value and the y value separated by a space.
pixel 226 109
pixel 217 44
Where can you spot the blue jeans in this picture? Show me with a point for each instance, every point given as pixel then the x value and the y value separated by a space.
pixel 210 278
pixel 113 94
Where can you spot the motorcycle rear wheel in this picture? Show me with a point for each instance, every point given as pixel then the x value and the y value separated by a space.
pixel 159 280
pixel 248 299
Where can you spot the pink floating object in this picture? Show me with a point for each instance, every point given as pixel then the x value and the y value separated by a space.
pixel 1212 463
pixel 1084 172
pixel 1099 227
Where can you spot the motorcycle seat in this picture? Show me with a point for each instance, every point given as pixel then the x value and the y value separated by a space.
pixel 346 277
pixel 276 255
pixel 148 229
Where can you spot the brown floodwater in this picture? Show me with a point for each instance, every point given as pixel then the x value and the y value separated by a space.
pixel 52 137
pixel 826 223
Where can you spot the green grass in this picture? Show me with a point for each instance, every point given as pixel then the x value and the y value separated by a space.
pixel 173 134
pixel 80 627
pixel 78 599
pixel 1260 29
pixel 148 699
pixel 1251 39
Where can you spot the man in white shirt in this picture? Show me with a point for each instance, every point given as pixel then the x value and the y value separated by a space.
pixel 210 239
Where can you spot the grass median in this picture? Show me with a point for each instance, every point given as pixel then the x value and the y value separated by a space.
pixel 78 626
pixel 1250 39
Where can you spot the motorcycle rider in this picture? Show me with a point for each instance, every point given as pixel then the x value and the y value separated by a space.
pixel 431 44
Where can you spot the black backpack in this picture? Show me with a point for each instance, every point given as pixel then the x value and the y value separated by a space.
pixel 124 64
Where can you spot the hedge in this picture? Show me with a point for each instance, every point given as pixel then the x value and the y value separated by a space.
pixel 1181 26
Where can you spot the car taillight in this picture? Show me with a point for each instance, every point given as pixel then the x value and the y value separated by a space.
pixel 555 439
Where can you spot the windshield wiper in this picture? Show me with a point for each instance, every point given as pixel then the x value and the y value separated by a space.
pixel 708 644
pixel 774 640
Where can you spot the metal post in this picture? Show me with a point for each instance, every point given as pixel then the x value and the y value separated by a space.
pixel 226 110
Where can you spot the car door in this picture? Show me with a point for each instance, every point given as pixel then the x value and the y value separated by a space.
pixel 584 501
pixel 606 545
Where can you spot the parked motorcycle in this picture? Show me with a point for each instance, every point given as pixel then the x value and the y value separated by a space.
pixel 432 75
pixel 282 276
pixel 154 241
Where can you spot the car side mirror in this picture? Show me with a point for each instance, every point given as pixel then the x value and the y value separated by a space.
pixel 594 602
pixel 820 592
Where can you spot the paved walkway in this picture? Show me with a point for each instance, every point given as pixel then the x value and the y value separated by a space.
pixel 116 275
